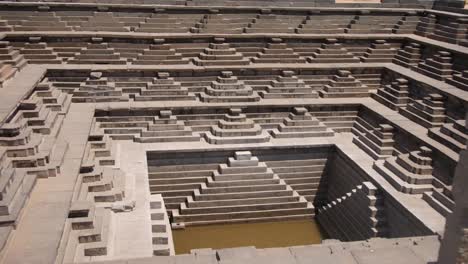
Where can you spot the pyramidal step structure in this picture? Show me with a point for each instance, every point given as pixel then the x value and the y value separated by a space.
pixel 242 190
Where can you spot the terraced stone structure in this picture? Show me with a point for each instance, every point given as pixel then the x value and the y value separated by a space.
pixel 124 122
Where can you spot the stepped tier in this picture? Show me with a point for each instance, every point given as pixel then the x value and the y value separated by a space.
pixel 160 227
pixel 344 85
pixel 236 128
pixel 378 143
pixel 160 53
pixel 288 86
pixel 277 52
pixel 325 24
pixel 452 135
pixel 409 56
pixel 164 88
pixel 373 24
pixel 271 23
pixel 357 215
pixel 426 25
pixel 429 112
pixel 223 23
pixel 218 199
pixel 301 124
pixel 438 67
pixel 166 128
pixel 394 95
pixel 408 173
pixel 227 88
pixel 97 53
pixel 97 89
pixel 220 53
pixel 460 80
pixel 380 51
pixel 332 52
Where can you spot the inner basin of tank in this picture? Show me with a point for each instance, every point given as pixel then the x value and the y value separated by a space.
pixel 259 235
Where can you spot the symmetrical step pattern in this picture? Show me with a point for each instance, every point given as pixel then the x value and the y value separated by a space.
pixel 409 56
pixel 236 128
pixel 277 52
pixel 373 24
pixel 357 215
pixel 166 128
pixel 378 143
pixel 164 88
pixel 97 53
pixel 220 53
pixel 223 23
pixel 272 23
pixel 325 24
pixel 288 86
pixel 227 88
pixel 97 88
pixel 332 52
pixel 380 51
pixel 452 135
pixel 438 67
pixel 344 85
pixel 409 173
pixel 394 95
pixel 242 190
pixel 160 53
pixel 299 124
pixel 428 112
pixel 451 30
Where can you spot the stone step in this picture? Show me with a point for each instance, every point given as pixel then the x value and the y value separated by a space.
pixel 436 204
pixel 240 202
pixel 241 208
pixel 398 183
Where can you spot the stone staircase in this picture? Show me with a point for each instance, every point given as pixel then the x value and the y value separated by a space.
pixel 394 95
pixel 163 244
pixel 236 128
pixel 102 21
pixel 97 53
pixel 166 128
pixel 357 215
pixel 288 86
pixel 164 88
pixel 438 67
pixel 301 124
pixel 169 23
pixel 97 88
pixel 223 23
pixel 380 52
pixel 9 56
pixel 373 24
pixel 378 143
pixel 219 53
pixel 90 232
pixel 243 190
pixel 41 21
pixel 227 88
pixel 407 25
pixel 332 52
pixel 460 80
pixel 441 199
pixel 272 23
pixel 426 25
pixel 39 53
pixel 409 173
pixel 450 29
pixel 344 85
pixel 428 112
pixel 453 135
pixel 160 53
pixel 325 24
pixel 409 56
pixel 277 52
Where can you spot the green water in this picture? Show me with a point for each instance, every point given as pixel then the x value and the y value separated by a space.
pixel 260 235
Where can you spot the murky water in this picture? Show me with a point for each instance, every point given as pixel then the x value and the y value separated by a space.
pixel 260 235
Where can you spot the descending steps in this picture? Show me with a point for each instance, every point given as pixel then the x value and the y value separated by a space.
pixel 220 53
pixel 164 88
pixel 288 86
pixel 160 227
pixel 409 173
pixel 231 182
pixel 357 215
pixel 438 67
pixel 332 52
pixel 428 112
pixel 301 124
pixel 236 128
pixel 378 143
pixel 277 52
pixel 344 85
pixel 227 88
pixel 394 95
pixel 452 135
